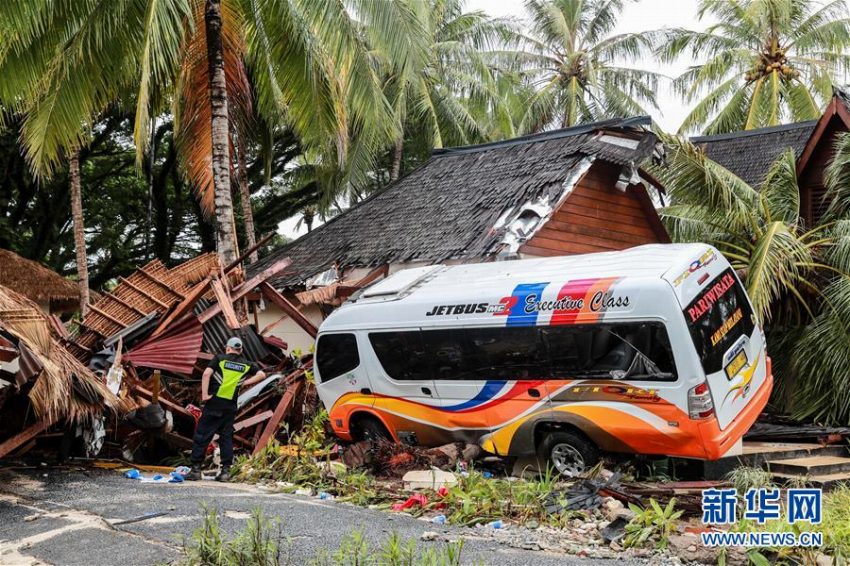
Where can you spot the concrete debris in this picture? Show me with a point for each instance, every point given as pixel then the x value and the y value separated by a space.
pixel 428 479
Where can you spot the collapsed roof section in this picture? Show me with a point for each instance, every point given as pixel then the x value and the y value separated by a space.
pixel 468 203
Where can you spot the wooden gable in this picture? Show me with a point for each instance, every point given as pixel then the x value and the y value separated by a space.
pixel 597 217
pixel 816 156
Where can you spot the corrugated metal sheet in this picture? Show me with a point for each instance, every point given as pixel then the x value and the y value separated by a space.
pixel 216 334
pixel 175 351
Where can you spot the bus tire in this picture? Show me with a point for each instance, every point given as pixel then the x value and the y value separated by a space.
pixel 569 453
pixel 370 428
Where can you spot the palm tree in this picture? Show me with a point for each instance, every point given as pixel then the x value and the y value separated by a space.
pixel 575 64
pixel 798 278
pixel 309 63
pixel 79 230
pixel 764 62
pixel 434 98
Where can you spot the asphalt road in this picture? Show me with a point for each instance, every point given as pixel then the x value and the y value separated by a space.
pixel 69 518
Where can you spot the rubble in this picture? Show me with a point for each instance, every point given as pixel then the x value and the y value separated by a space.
pixel 428 479
pixel 133 363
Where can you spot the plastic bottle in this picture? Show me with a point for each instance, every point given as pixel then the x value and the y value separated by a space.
pixel 439 520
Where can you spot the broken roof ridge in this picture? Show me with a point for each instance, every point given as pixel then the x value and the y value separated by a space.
pixel 755 132
pixel 578 129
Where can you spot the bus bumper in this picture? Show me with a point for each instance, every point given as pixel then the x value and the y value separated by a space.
pixel 718 442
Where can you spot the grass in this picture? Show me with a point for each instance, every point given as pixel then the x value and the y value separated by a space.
pixel 261 543
pixel 355 550
pixel 745 478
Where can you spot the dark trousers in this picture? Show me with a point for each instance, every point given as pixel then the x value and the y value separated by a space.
pixel 214 420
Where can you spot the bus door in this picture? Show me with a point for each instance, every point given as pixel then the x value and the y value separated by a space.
pixel 403 387
pixel 487 377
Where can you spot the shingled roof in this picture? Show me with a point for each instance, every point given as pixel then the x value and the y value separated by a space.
pixel 750 153
pixel 451 207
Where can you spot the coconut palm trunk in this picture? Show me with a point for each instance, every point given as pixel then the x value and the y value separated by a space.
pixel 79 231
pixel 225 240
pixel 398 152
pixel 245 200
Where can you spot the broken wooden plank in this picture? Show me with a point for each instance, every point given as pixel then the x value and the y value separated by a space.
pixel 11 444
pixel 184 307
pixel 282 409
pixel 145 394
pixel 244 288
pixel 251 421
pixel 374 275
pixel 286 306
pixel 225 304
pixel 247 253
pixel 175 439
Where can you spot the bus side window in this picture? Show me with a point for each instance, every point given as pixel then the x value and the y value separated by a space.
pixel 336 354
pixel 401 354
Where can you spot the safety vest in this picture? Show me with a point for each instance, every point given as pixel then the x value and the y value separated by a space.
pixel 231 374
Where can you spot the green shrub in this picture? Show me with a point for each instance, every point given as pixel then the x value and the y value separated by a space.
pixel 652 523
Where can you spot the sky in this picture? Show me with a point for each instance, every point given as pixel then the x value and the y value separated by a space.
pixel 638 16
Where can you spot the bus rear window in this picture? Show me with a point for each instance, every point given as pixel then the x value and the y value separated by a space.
pixel 717 318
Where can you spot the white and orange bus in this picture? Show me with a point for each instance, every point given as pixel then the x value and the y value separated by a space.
pixel 654 350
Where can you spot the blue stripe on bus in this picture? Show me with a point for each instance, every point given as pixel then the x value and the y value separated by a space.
pixel 518 316
pixel 490 389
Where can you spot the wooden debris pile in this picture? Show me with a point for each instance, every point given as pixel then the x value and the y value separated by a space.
pixel 138 355
pixel 41 383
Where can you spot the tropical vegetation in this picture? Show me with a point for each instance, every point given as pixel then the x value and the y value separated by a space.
pixel 575 64
pixel 141 129
pixel 797 276
pixel 760 62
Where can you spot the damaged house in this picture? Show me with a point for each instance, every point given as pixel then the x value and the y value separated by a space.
pixel 570 191
pixel 749 154
pixel 52 293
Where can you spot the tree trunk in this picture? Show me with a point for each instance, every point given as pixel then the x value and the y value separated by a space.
pixel 225 240
pixel 397 154
pixel 79 231
pixel 245 200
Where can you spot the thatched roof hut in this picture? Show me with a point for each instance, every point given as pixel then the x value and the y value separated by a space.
pixel 59 387
pixel 51 291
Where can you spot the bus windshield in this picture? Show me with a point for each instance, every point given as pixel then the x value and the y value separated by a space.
pixel 717 318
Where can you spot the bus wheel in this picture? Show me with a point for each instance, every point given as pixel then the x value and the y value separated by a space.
pixel 569 453
pixel 370 428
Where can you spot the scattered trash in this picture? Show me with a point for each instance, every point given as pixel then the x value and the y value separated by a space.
pixel 439 520
pixel 325 496
pixel 615 530
pixel 429 535
pixel 498 524
pixel 412 501
pixel 584 494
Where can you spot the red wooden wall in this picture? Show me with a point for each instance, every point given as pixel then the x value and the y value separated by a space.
pixel 596 217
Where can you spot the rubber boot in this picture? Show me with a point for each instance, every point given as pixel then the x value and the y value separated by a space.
pixel 224 474
pixel 194 474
